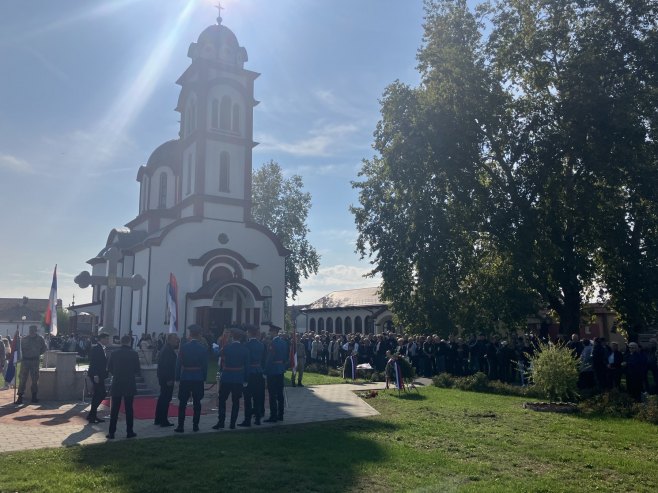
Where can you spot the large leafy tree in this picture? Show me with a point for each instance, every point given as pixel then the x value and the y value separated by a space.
pixel 525 161
pixel 282 205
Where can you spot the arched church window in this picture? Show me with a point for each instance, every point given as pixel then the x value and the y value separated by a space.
pixel 339 325
pixel 330 324
pixel 320 324
pixel 367 325
pixel 357 325
pixel 189 175
pixel 311 325
pixel 224 169
pixel 225 113
pixel 267 304
pixel 162 196
pixel 236 118
pixel 348 325
pixel 214 114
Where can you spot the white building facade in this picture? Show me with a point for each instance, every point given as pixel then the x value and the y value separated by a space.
pixel 194 211
pixel 354 311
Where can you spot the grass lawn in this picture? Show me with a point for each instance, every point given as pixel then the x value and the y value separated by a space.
pixel 438 440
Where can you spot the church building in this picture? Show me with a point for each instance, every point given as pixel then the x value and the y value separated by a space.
pixel 194 213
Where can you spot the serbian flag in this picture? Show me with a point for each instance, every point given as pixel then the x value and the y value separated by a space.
pixel 14 358
pixel 172 303
pixel 51 312
pixel 293 352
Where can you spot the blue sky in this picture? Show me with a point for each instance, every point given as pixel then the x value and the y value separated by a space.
pixel 88 91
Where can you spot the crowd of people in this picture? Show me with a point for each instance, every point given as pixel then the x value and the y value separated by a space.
pixel 251 362
pixel 602 364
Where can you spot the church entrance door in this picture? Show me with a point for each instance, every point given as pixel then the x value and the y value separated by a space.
pixel 218 320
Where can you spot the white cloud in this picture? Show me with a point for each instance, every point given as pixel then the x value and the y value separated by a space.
pixel 321 141
pixel 334 278
pixel 12 163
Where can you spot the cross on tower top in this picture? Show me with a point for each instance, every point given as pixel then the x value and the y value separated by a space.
pixel 219 12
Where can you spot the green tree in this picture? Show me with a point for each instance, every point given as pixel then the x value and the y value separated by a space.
pixel 63 321
pixel 525 161
pixel 282 205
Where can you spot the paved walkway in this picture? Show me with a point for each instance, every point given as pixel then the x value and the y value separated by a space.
pixel 51 424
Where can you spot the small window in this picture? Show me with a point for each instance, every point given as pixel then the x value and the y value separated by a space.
pixel 225 114
pixel 224 170
pixel 311 325
pixel 162 197
pixel 320 324
pixel 214 114
pixel 236 118
pixel 189 175
pixel 357 325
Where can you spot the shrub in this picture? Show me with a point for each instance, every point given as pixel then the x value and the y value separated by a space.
pixel 377 377
pixel 614 403
pixel 648 411
pixel 476 383
pixel 554 372
pixel 316 368
pixel 502 388
pixel 443 380
pixel 333 372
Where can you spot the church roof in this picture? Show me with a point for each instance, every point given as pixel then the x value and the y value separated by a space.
pixel 348 298
pixel 167 154
pixel 218 42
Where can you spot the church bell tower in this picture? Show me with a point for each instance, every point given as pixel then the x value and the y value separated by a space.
pixel 216 105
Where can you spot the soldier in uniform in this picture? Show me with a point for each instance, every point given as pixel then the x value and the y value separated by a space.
pixel 234 376
pixel 254 393
pixel 97 373
pixel 32 347
pixel 275 367
pixel 191 372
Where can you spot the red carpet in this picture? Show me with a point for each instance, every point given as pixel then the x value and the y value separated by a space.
pixel 144 408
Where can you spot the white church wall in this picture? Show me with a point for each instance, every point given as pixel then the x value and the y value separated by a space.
pixel 236 169
pixel 192 240
pixel 230 212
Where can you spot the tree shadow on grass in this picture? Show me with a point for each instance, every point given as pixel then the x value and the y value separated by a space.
pixel 317 457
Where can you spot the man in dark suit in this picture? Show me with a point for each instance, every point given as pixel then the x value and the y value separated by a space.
pixel 191 372
pixel 166 377
pixel 97 374
pixel 124 367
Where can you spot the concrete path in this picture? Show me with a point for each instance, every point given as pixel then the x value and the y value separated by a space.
pixel 51 424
